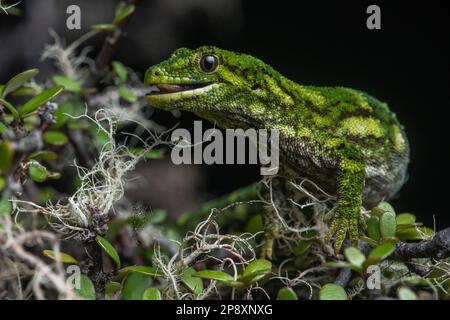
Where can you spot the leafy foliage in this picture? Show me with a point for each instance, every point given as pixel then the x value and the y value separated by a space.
pixel 54 129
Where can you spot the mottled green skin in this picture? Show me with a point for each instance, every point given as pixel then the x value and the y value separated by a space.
pixel 343 139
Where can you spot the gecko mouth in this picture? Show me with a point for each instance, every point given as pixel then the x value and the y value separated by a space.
pixel 167 88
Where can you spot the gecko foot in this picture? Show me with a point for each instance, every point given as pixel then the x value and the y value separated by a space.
pixel 339 228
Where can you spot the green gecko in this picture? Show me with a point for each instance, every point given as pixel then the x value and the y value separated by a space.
pixel 343 139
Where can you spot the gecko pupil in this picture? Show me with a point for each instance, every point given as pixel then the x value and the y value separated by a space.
pixel 209 63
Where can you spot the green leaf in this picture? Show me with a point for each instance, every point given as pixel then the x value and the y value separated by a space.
pixel 43 97
pixel 332 291
pixel 66 258
pixel 103 27
pixel 25 90
pixel 414 233
pixel 388 225
pixel 380 253
pixel 338 264
pixel 256 270
pixel 3 128
pixel 151 294
pixel 2 183
pixel 386 207
pixel 355 257
pixel 11 108
pixel 155 154
pixel 6 155
pixel 18 80
pixel 147 270
pixel 373 228
pixel 109 249
pixel 37 172
pixel 120 70
pixel 127 94
pixel 67 83
pixel 86 290
pixel 255 224
pixel 405 293
pixel 43 155
pixel 405 218
pixel 123 11
pixel 368 240
pixel 194 284
pixel 112 287
pixel 5 207
pixel 286 293
pixel 55 138
pixel 74 107
pixel 135 286
pixel 381 208
pixel 302 247
pixel 213 275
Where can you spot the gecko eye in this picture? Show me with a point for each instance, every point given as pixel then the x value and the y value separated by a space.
pixel 209 63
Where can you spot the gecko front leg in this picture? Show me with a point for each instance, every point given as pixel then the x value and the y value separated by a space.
pixel 350 185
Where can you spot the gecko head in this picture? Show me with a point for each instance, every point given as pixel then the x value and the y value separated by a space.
pixel 212 82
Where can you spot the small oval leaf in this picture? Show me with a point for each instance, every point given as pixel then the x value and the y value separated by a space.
pixel 194 284
pixel 151 271
pixel 286 293
pixel 112 287
pixel 355 257
pixel 66 258
pixel 127 94
pixel 37 172
pixel 3 128
pixel 415 233
pixel 86 289
pixel 373 228
pixel 256 270
pixel 5 207
pixel 11 108
pixel 405 293
pixel 120 70
pixel 103 27
pixel 135 286
pixel 332 291
pixel 386 207
pixel 405 218
pixel 213 275
pixel 43 155
pixel 388 225
pixel 55 138
pixel 151 294
pixel 18 80
pixel 381 208
pixel 380 253
pixel 67 83
pixel 124 11
pixel 43 97
pixel 258 266
pixel 109 249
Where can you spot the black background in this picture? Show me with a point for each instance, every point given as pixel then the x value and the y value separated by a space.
pixel 405 64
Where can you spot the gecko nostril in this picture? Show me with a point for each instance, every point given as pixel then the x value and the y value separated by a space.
pixel 157 73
